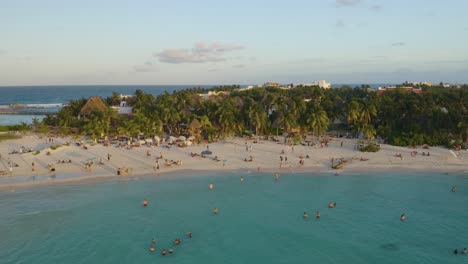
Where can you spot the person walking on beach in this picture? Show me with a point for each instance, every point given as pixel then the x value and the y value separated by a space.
pixel 33 166
pixel 108 157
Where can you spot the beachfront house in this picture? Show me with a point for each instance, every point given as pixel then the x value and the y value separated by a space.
pixel 94 104
pixel 123 109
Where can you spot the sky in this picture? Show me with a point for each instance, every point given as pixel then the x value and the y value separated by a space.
pixel 170 42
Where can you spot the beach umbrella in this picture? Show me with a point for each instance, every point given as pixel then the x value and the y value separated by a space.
pixel 206 152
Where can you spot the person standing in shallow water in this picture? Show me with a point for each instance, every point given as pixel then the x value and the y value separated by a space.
pixel 215 210
pixel 454 188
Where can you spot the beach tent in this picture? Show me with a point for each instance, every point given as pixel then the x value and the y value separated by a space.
pixel 172 139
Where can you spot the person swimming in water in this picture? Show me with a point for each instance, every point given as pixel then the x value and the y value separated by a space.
pixel 331 205
pixel 215 210
pixel 153 241
pixel 164 252
pixel 305 215
pixel 455 252
pixel 152 249
pixel 241 179
pixel 189 234
pixel 403 217
pixel 464 251
pixel 171 250
pixel 454 188
pixel 211 186
pixel 317 215
pixel 145 202
pixel 177 241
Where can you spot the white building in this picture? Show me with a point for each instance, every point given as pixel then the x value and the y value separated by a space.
pixel 324 84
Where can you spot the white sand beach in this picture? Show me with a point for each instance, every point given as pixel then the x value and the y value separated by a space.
pixel 233 154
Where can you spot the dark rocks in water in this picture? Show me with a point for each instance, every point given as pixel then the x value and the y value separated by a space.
pixel 390 247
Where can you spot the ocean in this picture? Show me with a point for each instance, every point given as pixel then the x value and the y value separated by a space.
pixel 259 221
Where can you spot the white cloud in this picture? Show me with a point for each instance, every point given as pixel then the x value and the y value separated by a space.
pixel 340 3
pixel 398 44
pixel 201 52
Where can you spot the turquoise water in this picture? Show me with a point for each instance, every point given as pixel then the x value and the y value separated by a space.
pixel 259 221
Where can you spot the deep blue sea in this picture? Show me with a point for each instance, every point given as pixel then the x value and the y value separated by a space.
pixel 259 221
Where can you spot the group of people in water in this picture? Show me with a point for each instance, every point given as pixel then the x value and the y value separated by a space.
pixel 464 251
pixel 317 214
pixel 176 242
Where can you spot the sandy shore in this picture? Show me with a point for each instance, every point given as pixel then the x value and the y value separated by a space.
pixel 231 154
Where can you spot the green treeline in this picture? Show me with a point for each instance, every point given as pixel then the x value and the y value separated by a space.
pixel 438 116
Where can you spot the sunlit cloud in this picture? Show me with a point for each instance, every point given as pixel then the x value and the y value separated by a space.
pixel 201 53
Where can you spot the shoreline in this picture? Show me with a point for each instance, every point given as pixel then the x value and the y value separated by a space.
pixel 228 156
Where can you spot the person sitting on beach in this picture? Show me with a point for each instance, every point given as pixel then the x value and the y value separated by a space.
pixel 305 215
pixel 177 241
pixel 317 215
pixel 145 202
pixel 403 217
pixel 164 252
pixel 215 210
pixel 189 234
pixel 152 248
pixel 331 205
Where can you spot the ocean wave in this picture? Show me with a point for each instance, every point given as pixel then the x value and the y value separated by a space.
pixel 50 105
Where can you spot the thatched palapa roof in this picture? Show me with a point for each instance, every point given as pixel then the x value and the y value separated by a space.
pixel 93 104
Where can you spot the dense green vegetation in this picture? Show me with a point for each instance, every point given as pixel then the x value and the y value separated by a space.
pixel 439 116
